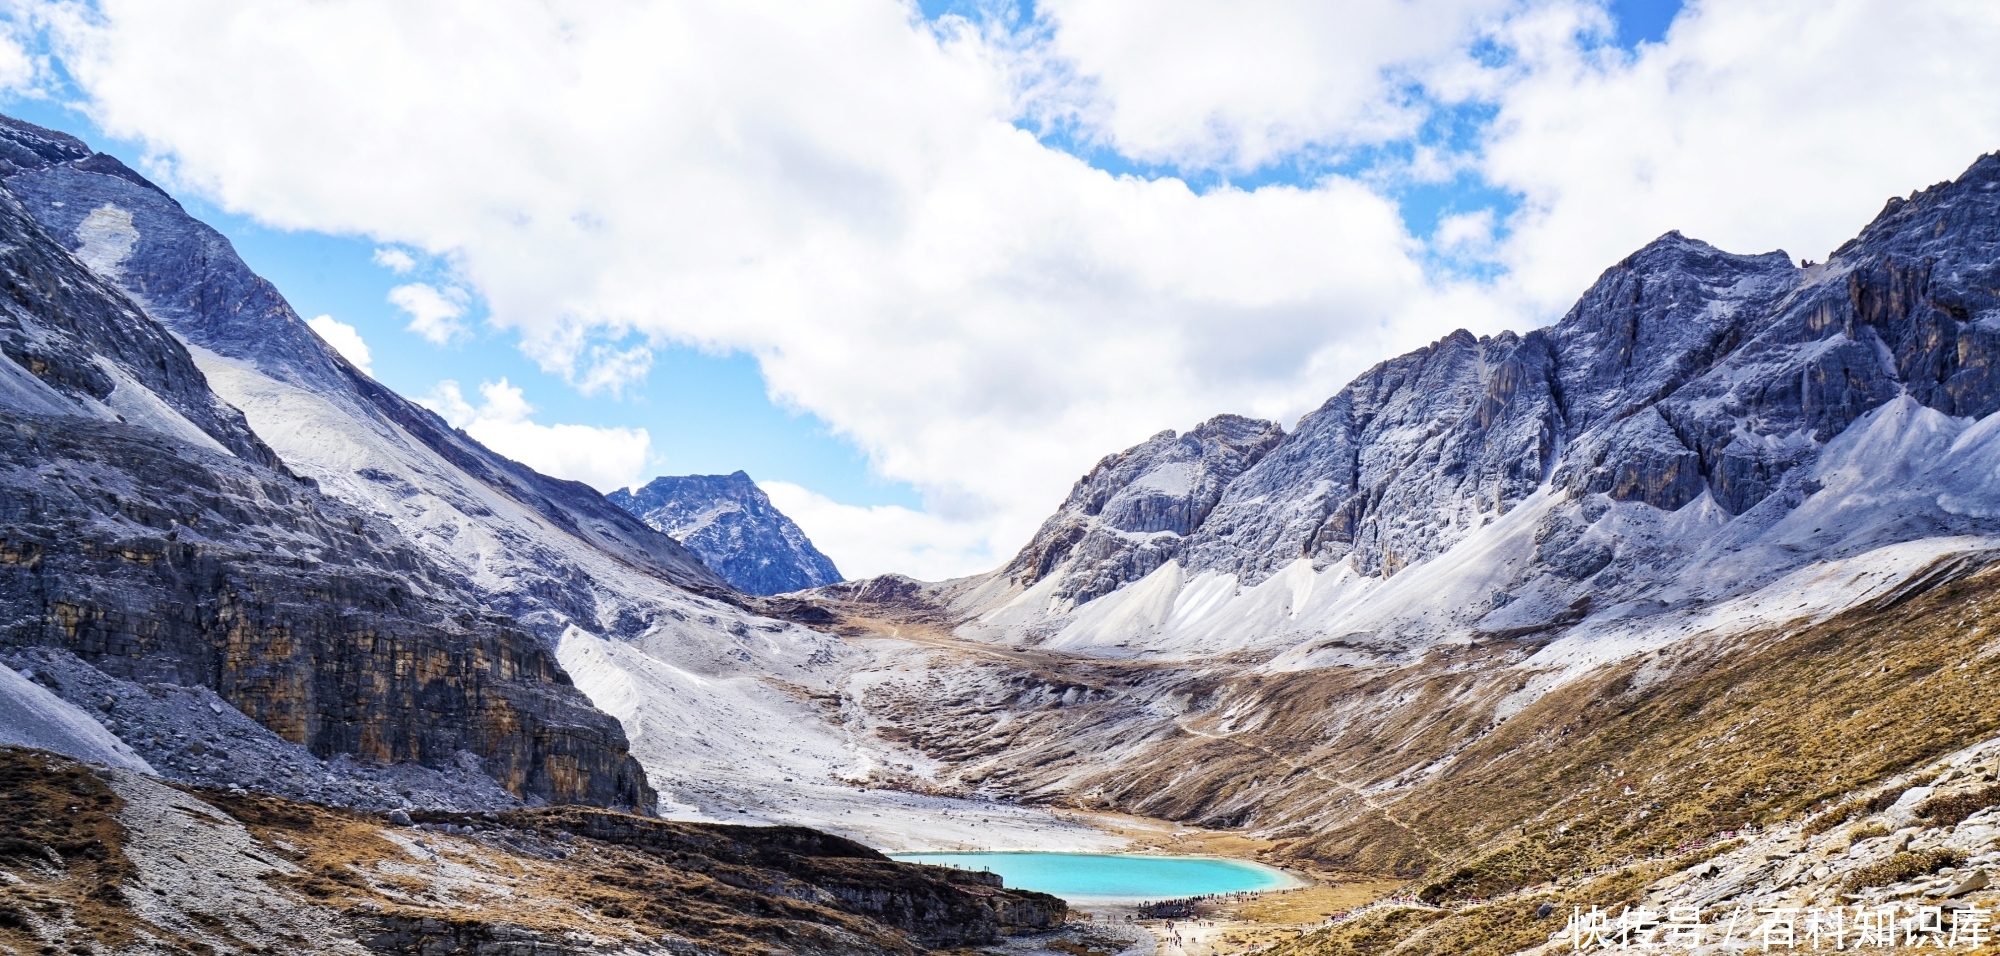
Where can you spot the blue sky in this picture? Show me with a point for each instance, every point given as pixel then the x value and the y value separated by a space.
pixel 989 257
pixel 706 412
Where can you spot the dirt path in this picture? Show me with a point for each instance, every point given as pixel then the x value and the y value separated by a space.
pixel 1064 668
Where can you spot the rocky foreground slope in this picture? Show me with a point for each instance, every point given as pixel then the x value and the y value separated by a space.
pixel 105 860
pixel 734 528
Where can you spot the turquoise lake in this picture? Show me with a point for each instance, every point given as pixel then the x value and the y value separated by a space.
pixel 1109 877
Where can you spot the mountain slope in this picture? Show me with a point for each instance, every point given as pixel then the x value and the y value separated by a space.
pixel 734 528
pixel 1708 451
pixel 1674 442
pixel 152 536
pixel 690 668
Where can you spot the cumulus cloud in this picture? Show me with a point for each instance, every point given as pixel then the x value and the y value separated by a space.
pixel 983 315
pixel 1754 126
pixel 604 458
pixel 842 190
pixel 436 314
pixel 395 260
pixel 344 340
pixel 19 70
pixel 1216 84
pixel 866 541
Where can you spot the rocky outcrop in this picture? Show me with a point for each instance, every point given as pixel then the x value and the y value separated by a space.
pixel 734 528
pixel 1134 511
pixel 151 534
pixel 103 860
pixel 938 906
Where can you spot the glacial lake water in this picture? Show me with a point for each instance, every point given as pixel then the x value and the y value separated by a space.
pixel 1109 877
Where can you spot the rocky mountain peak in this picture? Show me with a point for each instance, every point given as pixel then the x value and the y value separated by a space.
pixel 734 528
pixel 1663 436
pixel 24 145
pixel 1131 513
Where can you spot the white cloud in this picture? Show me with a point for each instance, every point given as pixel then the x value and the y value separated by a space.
pixel 344 340
pixel 19 70
pixel 840 189
pixel 604 458
pixel 395 260
pixel 1214 83
pixel 866 541
pixel 1755 126
pixel 436 314
pixel 830 187
pixel 1468 233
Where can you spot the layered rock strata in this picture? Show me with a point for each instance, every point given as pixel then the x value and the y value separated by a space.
pixel 149 532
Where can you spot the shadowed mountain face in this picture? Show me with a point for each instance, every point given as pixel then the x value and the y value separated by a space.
pixel 151 534
pixel 572 587
pixel 731 524
pixel 1700 425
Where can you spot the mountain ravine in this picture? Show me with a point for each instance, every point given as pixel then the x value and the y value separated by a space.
pixel 1683 600
pixel 1482 556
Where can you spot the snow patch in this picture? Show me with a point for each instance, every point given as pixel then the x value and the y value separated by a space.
pixel 106 238
pixel 31 716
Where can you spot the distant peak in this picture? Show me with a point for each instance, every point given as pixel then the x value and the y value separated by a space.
pixel 733 526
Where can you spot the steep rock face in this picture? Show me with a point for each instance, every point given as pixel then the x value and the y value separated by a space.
pixel 730 523
pixel 1134 511
pixel 150 533
pixel 1422 449
pixel 188 278
pixel 1412 453
pixel 646 630
pixel 1683 438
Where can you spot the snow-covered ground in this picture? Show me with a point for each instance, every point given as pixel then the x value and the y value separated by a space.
pixel 744 748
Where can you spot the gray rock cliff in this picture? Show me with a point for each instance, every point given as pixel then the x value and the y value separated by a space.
pixel 734 528
pixel 1136 509
pixel 150 534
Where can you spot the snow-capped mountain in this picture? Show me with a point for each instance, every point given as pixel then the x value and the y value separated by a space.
pixel 1709 451
pixel 1700 429
pixel 562 586
pixel 154 544
pixel 730 523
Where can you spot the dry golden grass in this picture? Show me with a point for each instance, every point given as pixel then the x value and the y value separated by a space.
pixel 1647 757
pixel 606 889
pixel 1312 904
pixel 62 839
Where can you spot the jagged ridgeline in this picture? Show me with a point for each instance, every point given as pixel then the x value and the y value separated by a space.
pixel 732 525
pixel 1726 503
pixel 152 535
pixel 1698 426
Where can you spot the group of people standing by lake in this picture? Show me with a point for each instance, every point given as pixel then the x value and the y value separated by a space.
pixel 1186 906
